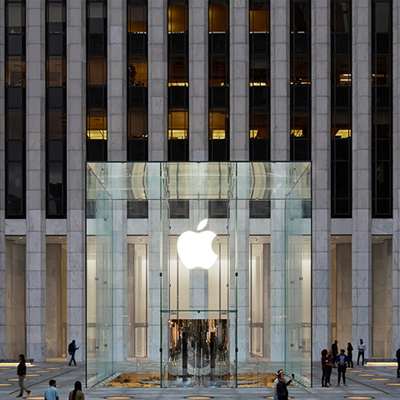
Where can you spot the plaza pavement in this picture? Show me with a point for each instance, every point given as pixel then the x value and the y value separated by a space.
pixel 358 385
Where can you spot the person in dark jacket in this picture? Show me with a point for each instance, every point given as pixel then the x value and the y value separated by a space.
pixel 335 350
pixel 281 388
pixel 350 354
pixel 342 362
pixel 21 372
pixel 71 350
pixel 398 362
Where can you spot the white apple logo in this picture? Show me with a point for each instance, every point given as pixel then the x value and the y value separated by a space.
pixel 194 249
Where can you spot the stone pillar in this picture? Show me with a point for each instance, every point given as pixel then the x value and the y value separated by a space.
pixel 116 80
pixel 35 180
pixel 267 300
pixel 361 142
pixel 396 174
pixel 2 188
pixel 239 80
pixel 76 171
pixel 158 79
pixel 280 80
pixel 321 194
pixel 198 80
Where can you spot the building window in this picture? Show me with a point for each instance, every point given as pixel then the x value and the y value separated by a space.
pixel 341 103
pixel 56 168
pixel 96 47
pixel 218 43
pixel 137 81
pixel 260 108
pixel 300 80
pixel 15 110
pixel 382 95
pixel 178 81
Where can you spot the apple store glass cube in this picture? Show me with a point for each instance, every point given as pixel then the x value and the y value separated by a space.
pixel 186 284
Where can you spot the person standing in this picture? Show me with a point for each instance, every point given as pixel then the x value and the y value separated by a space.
pixel 51 392
pixel 324 360
pixel 77 393
pixel 276 381
pixel 329 365
pixel 342 361
pixel 281 389
pixel 361 351
pixel 350 354
pixel 398 362
pixel 71 350
pixel 21 372
pixel 335 350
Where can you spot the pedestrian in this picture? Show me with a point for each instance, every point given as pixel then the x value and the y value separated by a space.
pixel 342 361
pixel 335 350
pixel 77 393
pixel 330 363
pixel 51 392
pixel 398 361
pixel 21 372
pixel 350 354
pixel 361 351
pixel 324 360
pixel 71 350
pixel 276 381
pixel 281 388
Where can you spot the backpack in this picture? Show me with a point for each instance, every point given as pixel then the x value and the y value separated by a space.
pixel 71 348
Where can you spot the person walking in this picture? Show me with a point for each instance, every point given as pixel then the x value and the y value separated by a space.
pixel 342 361
pixel 21 372
pixel 51 392
pixel 350 354
pixel 398 361
pixel 276 381
pixel 335 349
pixel 281 389
pixel 361 350
pixel 77 393
pixel 71 350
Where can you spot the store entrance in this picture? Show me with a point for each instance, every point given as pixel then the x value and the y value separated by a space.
pixel 198 354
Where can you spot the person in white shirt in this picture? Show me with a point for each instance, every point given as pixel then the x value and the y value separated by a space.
pixel 361 350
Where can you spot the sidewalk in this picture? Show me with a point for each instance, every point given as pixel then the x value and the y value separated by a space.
pixel 38 376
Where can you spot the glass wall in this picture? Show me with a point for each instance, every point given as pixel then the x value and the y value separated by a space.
pixel 189 303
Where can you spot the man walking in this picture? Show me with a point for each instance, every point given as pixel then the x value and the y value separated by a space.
pixel 335 350
pixel 361 350
pixel 71 350
pixel 51 393
pixel 342 362
pixel 398 361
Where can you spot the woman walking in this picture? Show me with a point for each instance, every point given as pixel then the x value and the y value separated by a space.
pixel 77 393
pixel 21 372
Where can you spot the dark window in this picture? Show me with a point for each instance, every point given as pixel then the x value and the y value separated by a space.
pixel 56 152
pixel 341 110
pixel 178 209
pixel 15 120
pixel 300 80
pixel 218 208
pixel 96 126
pixel 382 103
pixel 137 86
pixel 218 43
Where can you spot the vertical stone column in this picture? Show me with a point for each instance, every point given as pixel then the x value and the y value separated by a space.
pixel 280 79
pixel 239 80
pixel 2 188
pixel 198 80
pixel 321 194
pixel 361 142
pixel 35 180
pixel 76 156
pixel 396 173
pixel 116 80
pixel 117 151
pixel 158 79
